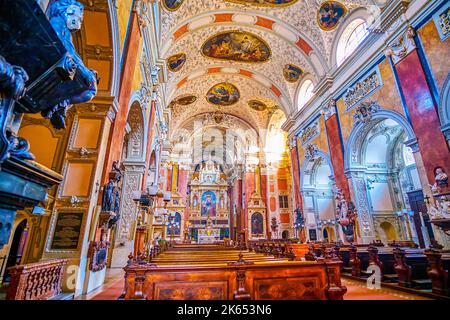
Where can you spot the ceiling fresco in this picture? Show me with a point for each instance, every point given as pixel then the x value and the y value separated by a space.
pixel 262 47
pixel 176 62
pixel 265 3
pixel 223 94
pixel 237 46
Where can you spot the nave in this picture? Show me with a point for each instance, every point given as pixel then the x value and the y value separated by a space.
pixel 157 140
pixel 184 256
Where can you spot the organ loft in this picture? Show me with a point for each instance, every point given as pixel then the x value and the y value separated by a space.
pixel 224 150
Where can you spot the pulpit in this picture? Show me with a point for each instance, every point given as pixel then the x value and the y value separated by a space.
pixel 40 71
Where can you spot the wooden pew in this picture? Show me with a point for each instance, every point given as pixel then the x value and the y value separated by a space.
pixel 438 270
pixel 299 249
pixel 411 266
pixel 236 281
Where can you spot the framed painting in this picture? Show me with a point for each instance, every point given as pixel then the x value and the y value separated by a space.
pixel 185 100
pixel 240 46
pixel 330 14
pixel 292 73
pixel 176 62
pixel 223 94
pixel 172 5
pixel 257 105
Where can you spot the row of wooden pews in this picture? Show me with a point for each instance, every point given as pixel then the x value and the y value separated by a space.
pixel 400 263
pixel 218 272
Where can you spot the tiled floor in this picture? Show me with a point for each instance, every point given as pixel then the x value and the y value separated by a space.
pixel 355 291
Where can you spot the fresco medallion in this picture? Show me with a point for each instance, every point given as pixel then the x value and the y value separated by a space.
pixel 257 105
pixel 237 46
pixel 329 15
pixel 292 73
pixel 223 94
pixel 186 100
pixel 176 62
pixel 172 5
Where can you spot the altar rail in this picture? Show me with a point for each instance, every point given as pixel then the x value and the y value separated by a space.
pixel 318 280
pixel 36 281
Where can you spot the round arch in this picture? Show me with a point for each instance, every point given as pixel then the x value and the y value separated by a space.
pixel 359 131
pixel 311 163
pixel 359 13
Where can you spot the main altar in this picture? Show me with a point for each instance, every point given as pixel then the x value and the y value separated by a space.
pixel 209 203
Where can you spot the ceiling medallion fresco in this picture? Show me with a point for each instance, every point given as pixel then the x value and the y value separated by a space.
pixel 185 100
pixel 265 3
pixel 329 15
pixel 172 5
pixel 257 105
pixel 223 94
pixel 176 62
pixel 292 73
pixel 237 46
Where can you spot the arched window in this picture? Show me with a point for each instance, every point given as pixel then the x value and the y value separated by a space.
pixel 305 94
pixel 351 38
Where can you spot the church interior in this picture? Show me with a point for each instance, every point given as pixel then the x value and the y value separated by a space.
pixel 224 150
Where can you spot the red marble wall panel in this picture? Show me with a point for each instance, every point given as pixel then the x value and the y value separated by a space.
pixel 282 184
pixel 273 204
pixel 437 51
pixel 183 176
pixel 337 155
pixel 424 118
pixel 114 149
pixel 296 178
pixel 284 217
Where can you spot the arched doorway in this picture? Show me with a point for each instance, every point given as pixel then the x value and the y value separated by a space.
pixel 285 234
pixel 317 181
pixel 17 248
pixel 380 163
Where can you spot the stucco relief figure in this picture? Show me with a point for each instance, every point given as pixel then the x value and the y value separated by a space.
pixel 66 16
pixel 441 179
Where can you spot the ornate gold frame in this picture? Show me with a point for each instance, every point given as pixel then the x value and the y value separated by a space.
pixel 336 25
pixel 237 31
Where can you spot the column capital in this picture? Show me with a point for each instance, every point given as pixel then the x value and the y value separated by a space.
pixel 401 46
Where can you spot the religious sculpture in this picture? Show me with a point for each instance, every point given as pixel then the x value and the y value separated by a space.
pixel 346 215
pixel 441 180
pixel 111 195
pixel 441 209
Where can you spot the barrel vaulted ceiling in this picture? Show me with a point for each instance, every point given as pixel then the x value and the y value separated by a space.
pixel 290 30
